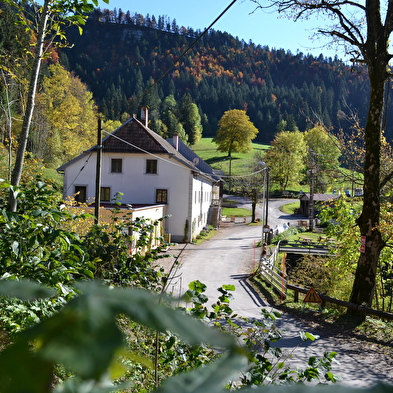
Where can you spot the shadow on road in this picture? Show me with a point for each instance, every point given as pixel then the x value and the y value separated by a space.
pixel 254 295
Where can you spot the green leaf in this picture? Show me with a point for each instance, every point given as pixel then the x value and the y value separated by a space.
pixel 144 307
pixel 301 388
pixel 15 247
pixel 210 378
pixel 88 273
pixel 305 336
pixel 197 286
pixel 25 290
pixel 20 366
pixel 229 287
pixel 75 385
pixel 84 336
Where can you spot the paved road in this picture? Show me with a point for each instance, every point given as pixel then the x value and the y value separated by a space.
pixel 229 257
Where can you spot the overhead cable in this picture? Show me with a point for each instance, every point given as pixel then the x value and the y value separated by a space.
pixel 186 50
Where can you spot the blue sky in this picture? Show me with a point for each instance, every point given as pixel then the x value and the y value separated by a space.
pixel 262 27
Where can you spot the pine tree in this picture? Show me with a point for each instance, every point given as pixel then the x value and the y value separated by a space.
pixel 191 120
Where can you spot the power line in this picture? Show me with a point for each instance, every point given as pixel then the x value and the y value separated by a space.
pixel 174 163
pixel 80 171
pixel 186 50
pixel 143 150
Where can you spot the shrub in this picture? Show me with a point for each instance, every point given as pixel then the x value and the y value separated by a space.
pixel 285 235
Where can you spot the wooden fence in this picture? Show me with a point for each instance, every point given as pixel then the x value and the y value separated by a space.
pixel 273 276
pixel 278 281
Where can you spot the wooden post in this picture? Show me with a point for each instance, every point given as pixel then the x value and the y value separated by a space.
pixel 296 297
pixel 98 174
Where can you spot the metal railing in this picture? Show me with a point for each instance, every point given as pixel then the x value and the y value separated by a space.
pixel 304 247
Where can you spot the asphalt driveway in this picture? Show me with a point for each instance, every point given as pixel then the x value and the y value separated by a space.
pixel 229 258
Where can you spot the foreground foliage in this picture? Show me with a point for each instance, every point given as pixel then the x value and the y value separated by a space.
pixel 85 337
pixel 122 333
pixel 38 243
pixel 341 219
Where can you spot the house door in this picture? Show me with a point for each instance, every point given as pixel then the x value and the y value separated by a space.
pixel 80 194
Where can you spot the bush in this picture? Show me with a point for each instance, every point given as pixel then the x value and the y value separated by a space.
pixel 328 279
pixel 285 235
pixel 85 338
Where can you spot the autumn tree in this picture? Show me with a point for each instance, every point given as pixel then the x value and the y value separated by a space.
pixel 252 185
pixel 235 132
pixel 341 216
pixel 65 119
pixel 326 153
pixel 286 158
pixel 53 17
pixel 14 63
pixel 364 29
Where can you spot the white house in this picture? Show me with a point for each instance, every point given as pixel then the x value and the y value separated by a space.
pixel 148 170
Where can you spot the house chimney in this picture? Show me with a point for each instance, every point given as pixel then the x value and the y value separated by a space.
pixel 175 141
pixel 145 115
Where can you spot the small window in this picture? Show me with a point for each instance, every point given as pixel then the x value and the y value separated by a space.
pixel 116 165
pixel 80 194
pixel 151 166
pixel 162 196
pixel 105 194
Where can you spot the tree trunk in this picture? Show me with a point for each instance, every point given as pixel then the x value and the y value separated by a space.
pixel 19 160
pixel 254 201
pixel 368 222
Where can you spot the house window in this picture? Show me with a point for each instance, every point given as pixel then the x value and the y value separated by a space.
pixel 116 165
pixel 80 194
pixel 151 166
pixel 105 194
pixel 162 196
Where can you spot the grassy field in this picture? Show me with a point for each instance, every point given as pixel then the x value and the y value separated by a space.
pixel 236 211
pixel 207 150
pixel 290 207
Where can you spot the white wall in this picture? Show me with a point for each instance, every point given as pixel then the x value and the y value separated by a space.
pixel 154 213
pixel 202 196
pixel 140 188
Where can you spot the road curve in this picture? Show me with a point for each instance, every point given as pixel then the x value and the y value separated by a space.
pixel 228 258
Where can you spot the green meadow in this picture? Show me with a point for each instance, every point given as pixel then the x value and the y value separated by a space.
pixel 240 164
pixel 207 150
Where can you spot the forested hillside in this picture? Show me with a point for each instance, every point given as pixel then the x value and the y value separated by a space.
pixel 119 55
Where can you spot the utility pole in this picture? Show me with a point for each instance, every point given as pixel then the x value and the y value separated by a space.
pixel 230 173
pixel 98 174
pixel 311 202
pixel 267 203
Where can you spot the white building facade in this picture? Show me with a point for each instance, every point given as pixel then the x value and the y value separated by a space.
pixel 148 170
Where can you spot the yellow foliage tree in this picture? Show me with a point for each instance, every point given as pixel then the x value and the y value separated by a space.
pixel 326 153
pixel 235 132
pixel 65 117
pixel 286 158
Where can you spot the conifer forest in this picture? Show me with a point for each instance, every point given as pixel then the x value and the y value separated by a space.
pixel 121 54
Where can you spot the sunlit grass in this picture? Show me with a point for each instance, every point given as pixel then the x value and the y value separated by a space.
pixel 207 150
pixel 236 211
pixel 290 208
